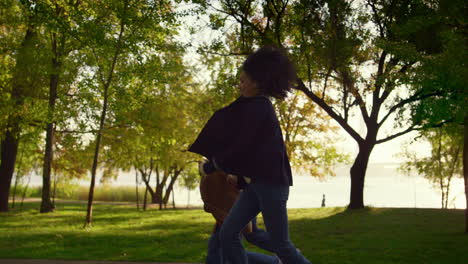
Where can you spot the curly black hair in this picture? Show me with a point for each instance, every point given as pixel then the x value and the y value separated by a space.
pixel 271 70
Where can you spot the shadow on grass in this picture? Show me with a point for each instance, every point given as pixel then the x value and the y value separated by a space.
pixel 381 235
pixel 325 235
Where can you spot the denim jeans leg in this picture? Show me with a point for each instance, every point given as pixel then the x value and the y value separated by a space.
pixel 259 258
pixel 245 208
pixel 214 255
pixel 273 200
pixel 259 237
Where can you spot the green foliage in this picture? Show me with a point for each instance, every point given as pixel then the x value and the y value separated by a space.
pixel 308 133
pixel 191 177
pixel 444 162
pixel 446 75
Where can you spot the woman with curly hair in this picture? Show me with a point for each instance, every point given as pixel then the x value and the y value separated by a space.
pixel 245 139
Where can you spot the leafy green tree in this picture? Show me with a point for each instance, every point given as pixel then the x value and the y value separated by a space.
pixel 57 25
pixel 308 133
pixel 445 73
pixel 151 121
pixel 353 59
pixel 114 33
pixel 22 83
pixel 444 162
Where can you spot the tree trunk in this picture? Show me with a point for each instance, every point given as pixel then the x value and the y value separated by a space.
pixel 170 188
pixel 17 179
pixel 167 195
pixel 156 197
pixel 145 199
pixel 54 192
pixel 7 167
pixel 46 203
pixel 89 211
pixel 107 84
pixel 13 196
pixel 136 189
pixel 358 173
pixel 465 170
pixel 24 192
pixel 10 141
pixel 173 200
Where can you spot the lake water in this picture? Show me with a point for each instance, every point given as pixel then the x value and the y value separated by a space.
pixel 385 186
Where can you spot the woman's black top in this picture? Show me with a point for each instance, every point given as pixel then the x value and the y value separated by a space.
pixel 245 139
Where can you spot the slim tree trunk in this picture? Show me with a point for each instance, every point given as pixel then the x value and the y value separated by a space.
pixel 173 199
pixel 146 179
pixel 89 210
pixel 358 173
pixel 17 178
pixel 54 192
pixel 188 197
pixel 465 170
pixel 24 192
pixel 102 121
pixel 136 190
pixel 145 199
pixel 13 196
pixel 46 203
pixel 170 188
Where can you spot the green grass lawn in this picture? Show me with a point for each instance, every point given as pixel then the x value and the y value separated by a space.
pixel 325 235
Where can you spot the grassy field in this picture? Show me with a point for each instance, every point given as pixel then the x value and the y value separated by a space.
pixel 325 235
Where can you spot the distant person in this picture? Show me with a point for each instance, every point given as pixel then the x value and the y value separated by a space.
pixel 323 201
pixel 245 139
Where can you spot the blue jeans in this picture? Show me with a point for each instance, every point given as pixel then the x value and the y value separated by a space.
pixel 259 237
pixel 215 256
pixel 271 201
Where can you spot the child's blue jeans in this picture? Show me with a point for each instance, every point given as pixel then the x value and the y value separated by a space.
pixel 271 200
pixel 215 256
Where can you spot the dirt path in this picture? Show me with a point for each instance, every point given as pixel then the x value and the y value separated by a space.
pixel 52 261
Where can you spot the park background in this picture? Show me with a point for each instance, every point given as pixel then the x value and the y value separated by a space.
pixel 99 95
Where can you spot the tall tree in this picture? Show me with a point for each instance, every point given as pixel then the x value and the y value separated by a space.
pixel 446 73
pixel 58 24
pixel 353 58
pixel 112 30
pixel 23 82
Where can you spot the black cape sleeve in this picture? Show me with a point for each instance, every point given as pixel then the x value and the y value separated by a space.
pixel 249 120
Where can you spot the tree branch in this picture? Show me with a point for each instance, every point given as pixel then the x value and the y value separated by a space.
pixel 301 87
pixel 416 97
pixel 409 129
pixel 389 89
